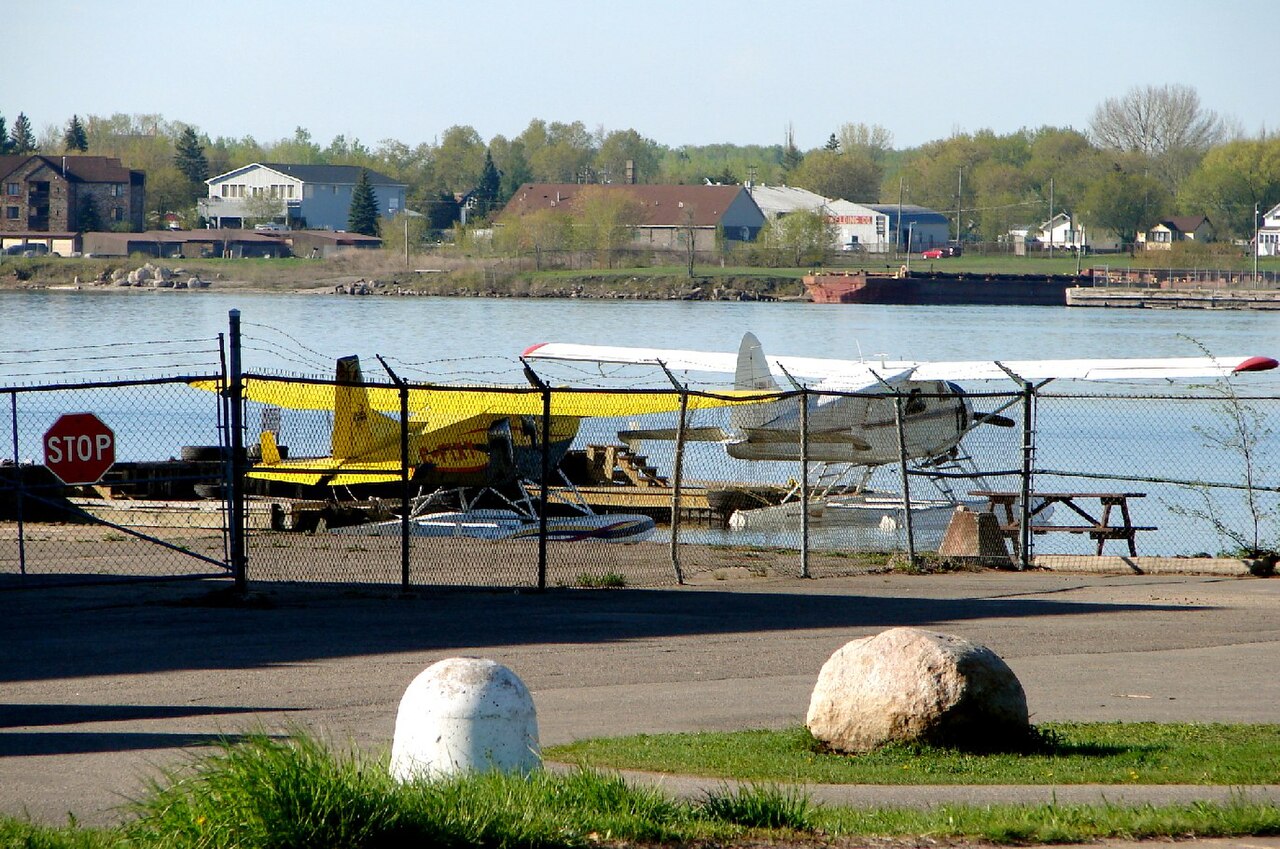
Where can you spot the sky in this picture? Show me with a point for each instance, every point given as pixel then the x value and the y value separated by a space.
pixel 679 73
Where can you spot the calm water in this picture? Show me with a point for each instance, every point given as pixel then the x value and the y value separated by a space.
pixel 480 338
pixel 50 336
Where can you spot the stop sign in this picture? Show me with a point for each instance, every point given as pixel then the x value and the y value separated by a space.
pixel 79 448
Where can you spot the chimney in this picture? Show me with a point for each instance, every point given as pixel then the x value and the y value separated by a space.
pixel 631 172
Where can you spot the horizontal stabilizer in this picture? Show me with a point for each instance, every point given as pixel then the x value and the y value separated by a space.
pixel 691 434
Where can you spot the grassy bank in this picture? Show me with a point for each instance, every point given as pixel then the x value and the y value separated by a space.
pixel 453 272
pixel 1069 753
pixel 265 792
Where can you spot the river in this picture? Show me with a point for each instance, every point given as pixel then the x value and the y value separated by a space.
pixel 50 336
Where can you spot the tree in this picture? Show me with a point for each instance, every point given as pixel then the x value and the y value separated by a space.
pixel 1125 202
pixel 21 136
pixel 363 217
pixel 1231 181
pixel 75 137
pixel 442 211
pixel 459 159
pixel 791 155
pixel 189 159
pixel 88 219
pixel 264 208
pixel 1165 123
pixel 603 220
pixel 833 144
pixel 6 143
pixel 623 146
pixel 852 175
pixel 487 189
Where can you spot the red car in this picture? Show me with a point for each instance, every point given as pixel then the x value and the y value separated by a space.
pixel 944 251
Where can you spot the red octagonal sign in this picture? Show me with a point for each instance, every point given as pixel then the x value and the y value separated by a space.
pixel 79 448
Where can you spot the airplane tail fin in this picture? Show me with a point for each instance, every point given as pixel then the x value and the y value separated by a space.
pixel 752 372
pixel 357 430
pixel 270 450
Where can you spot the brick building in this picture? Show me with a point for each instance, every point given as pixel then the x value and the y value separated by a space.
pixel 47 194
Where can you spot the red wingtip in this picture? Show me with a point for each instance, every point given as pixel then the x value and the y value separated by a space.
pixel 529 351
pixel 1255 364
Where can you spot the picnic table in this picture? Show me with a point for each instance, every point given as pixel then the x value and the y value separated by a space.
pixel 1107 524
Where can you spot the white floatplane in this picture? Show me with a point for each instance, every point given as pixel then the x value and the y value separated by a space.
pixel 853 415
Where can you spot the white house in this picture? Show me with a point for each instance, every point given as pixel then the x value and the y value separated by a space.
pixel 1062 232
pixel 1269 233
pixel 315 197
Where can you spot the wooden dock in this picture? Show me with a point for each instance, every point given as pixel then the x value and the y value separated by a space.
pixel 1170 299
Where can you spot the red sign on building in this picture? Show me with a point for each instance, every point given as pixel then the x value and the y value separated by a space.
pixel 79 448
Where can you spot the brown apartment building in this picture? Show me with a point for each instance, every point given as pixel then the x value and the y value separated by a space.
pixel 49 194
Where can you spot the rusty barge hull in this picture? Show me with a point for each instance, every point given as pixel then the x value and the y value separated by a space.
pixel 943 288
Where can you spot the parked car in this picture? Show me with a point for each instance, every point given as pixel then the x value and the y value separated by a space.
pixel 31 250
pixel 944 251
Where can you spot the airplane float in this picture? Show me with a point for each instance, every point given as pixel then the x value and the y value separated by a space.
pixel 486 439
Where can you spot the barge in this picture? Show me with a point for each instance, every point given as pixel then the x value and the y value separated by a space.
pixel 942 288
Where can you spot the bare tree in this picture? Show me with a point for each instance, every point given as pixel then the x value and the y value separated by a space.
pixel 1166 123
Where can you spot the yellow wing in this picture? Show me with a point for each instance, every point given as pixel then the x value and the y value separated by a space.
pixel 432 409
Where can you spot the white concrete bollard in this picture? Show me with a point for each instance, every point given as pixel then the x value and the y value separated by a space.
pixel 465 715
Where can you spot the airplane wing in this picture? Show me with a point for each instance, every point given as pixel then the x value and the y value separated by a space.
pixel 851 373
pixel 437 408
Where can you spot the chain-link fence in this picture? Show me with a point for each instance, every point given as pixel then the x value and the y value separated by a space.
pixel 349 481
pixel 154 507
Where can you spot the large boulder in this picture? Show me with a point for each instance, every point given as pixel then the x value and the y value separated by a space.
pixel 911 685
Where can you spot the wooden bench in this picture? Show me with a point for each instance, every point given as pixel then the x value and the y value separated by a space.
pixel 1099 528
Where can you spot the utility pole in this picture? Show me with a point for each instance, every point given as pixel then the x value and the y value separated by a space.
pixel 897 228
pixel 1050 218
pixel 959 195
pixel 1256 246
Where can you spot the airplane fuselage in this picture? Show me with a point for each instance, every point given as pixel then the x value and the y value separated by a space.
pixel 861 428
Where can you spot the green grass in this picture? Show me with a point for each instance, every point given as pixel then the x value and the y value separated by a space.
pixel 1071 753
pixel 264 792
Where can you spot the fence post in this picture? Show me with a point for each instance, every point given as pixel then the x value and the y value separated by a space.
pixel 235 481
pixel 539 384
pixel 17 484
pixel 678 475
pixel 677 471
pixel 1025 537
pixel 405 495
pixel 906 479
pixel 804 482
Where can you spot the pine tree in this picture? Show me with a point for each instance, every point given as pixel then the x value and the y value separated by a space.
pixel 24 140
pixel 833 144
pixel 5 143
pixel 189 156
pixel 75 138
pixel 363 217
pixel 88 219
pixel 486 191
pixel 791 155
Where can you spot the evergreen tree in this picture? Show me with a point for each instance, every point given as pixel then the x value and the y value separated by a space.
pixel 88 219
pixel 75 137
pixel 791 155
pixel 189 156
pixel 443 210
pixel 5 143
pixel 486 191
pixel 23 139
pixel 363 217
pixel 833 144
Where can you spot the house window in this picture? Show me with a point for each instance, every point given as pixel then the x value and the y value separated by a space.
pixel 117 190
pixel 13 189
pixel 288 190
pixel 11 212
pixel 117 213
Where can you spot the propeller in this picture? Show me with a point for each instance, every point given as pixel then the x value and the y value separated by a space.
pixel 993 419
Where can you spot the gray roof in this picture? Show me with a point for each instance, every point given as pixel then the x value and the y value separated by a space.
pixel 336 174
pixel 909 210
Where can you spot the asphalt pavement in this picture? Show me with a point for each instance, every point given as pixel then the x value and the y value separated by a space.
pixel 104 686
